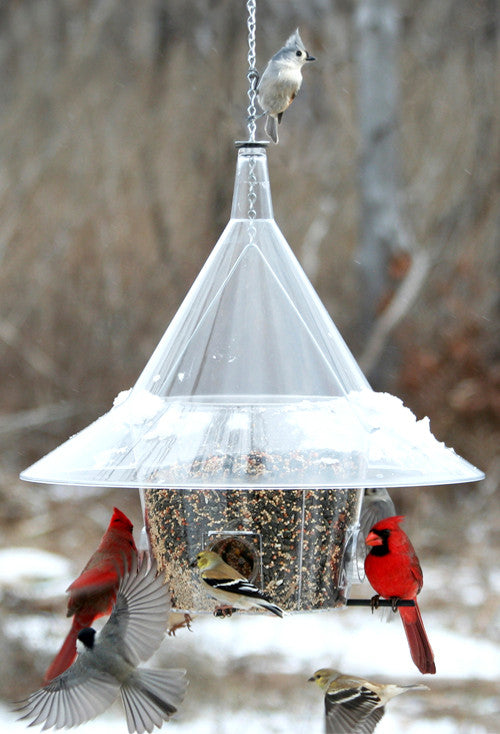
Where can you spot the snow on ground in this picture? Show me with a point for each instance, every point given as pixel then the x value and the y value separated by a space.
pixel 213 721
pixel 348 639
pixel 44 574
pixel 352 640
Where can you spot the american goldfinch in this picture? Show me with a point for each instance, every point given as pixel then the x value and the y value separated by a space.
pixel 281 80
pixel 106 665
pixel 377 505
pixel 226 585
pixel 355 705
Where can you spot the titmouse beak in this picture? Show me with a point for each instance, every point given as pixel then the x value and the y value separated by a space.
pixel 309 57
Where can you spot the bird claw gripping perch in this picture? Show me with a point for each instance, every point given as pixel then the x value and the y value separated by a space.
pixel 374 602
pixel 224 611
pixel 394 603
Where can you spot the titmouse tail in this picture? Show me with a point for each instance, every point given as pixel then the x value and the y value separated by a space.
pixel 272 128
pixel 151 697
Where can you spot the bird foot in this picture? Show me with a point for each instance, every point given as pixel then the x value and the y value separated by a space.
pixel 394 603
pixel 374 602
pixel 254 118
pixel 223 611
pixel 177 625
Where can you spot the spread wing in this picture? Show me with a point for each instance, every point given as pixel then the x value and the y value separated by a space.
pixel 77 695
pixel 347 709
pixel 368 725
pixel 139 618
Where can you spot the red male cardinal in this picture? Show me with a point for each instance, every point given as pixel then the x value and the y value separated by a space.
pixel 392 568
pixel 93 593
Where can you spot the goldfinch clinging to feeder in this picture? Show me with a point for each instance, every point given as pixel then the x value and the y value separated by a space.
pixel 354 705
pixel 281 80
pixel 230 588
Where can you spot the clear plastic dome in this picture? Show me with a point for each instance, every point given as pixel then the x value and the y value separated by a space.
pixel 252 365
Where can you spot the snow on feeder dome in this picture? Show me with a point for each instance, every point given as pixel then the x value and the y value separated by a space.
pixel 252 430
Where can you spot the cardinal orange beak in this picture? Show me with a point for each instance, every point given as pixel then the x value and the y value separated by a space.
pixel 373 539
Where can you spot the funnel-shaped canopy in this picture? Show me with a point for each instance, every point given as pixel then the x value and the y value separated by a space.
pixel 252 384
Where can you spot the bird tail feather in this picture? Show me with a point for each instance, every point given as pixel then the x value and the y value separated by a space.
pixel 272 128
pixel 66 654
pixel 420 648
pixel 271 608
pixel 151 697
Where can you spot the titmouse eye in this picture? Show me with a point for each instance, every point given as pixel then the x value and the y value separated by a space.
pixel 298 53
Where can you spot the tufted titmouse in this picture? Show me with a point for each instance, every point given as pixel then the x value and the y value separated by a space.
pixel 106 665
pixel 377 505
pixel 281 80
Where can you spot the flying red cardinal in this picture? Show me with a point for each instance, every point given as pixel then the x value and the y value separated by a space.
pixel 392 568
pixel 93 593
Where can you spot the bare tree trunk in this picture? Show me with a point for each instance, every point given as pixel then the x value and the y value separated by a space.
pixel 382 235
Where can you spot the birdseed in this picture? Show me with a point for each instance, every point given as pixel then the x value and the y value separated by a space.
pixel 288 542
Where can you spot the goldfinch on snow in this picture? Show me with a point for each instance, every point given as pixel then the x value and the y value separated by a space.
pixel 354 705
pixel 230 588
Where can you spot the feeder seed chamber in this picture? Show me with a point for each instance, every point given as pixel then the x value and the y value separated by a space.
pixel 252 430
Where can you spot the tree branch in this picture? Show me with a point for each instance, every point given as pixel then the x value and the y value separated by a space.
pixel 397 309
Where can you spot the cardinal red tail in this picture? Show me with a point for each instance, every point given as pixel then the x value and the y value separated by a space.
pixel 67 653
pixel 420 648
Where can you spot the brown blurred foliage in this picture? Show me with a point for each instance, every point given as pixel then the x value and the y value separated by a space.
pixel 117 122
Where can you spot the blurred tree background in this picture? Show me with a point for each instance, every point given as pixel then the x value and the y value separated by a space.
pixel 117 122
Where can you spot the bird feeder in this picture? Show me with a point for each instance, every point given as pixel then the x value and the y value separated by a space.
pixel 252 431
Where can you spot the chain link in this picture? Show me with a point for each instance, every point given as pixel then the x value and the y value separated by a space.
pixel 252 75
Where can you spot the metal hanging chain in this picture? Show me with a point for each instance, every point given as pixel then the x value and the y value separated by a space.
pixel 253 78
pixel 253 74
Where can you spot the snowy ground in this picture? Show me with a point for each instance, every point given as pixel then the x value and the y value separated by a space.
pixel 250 672
pixel 255 722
